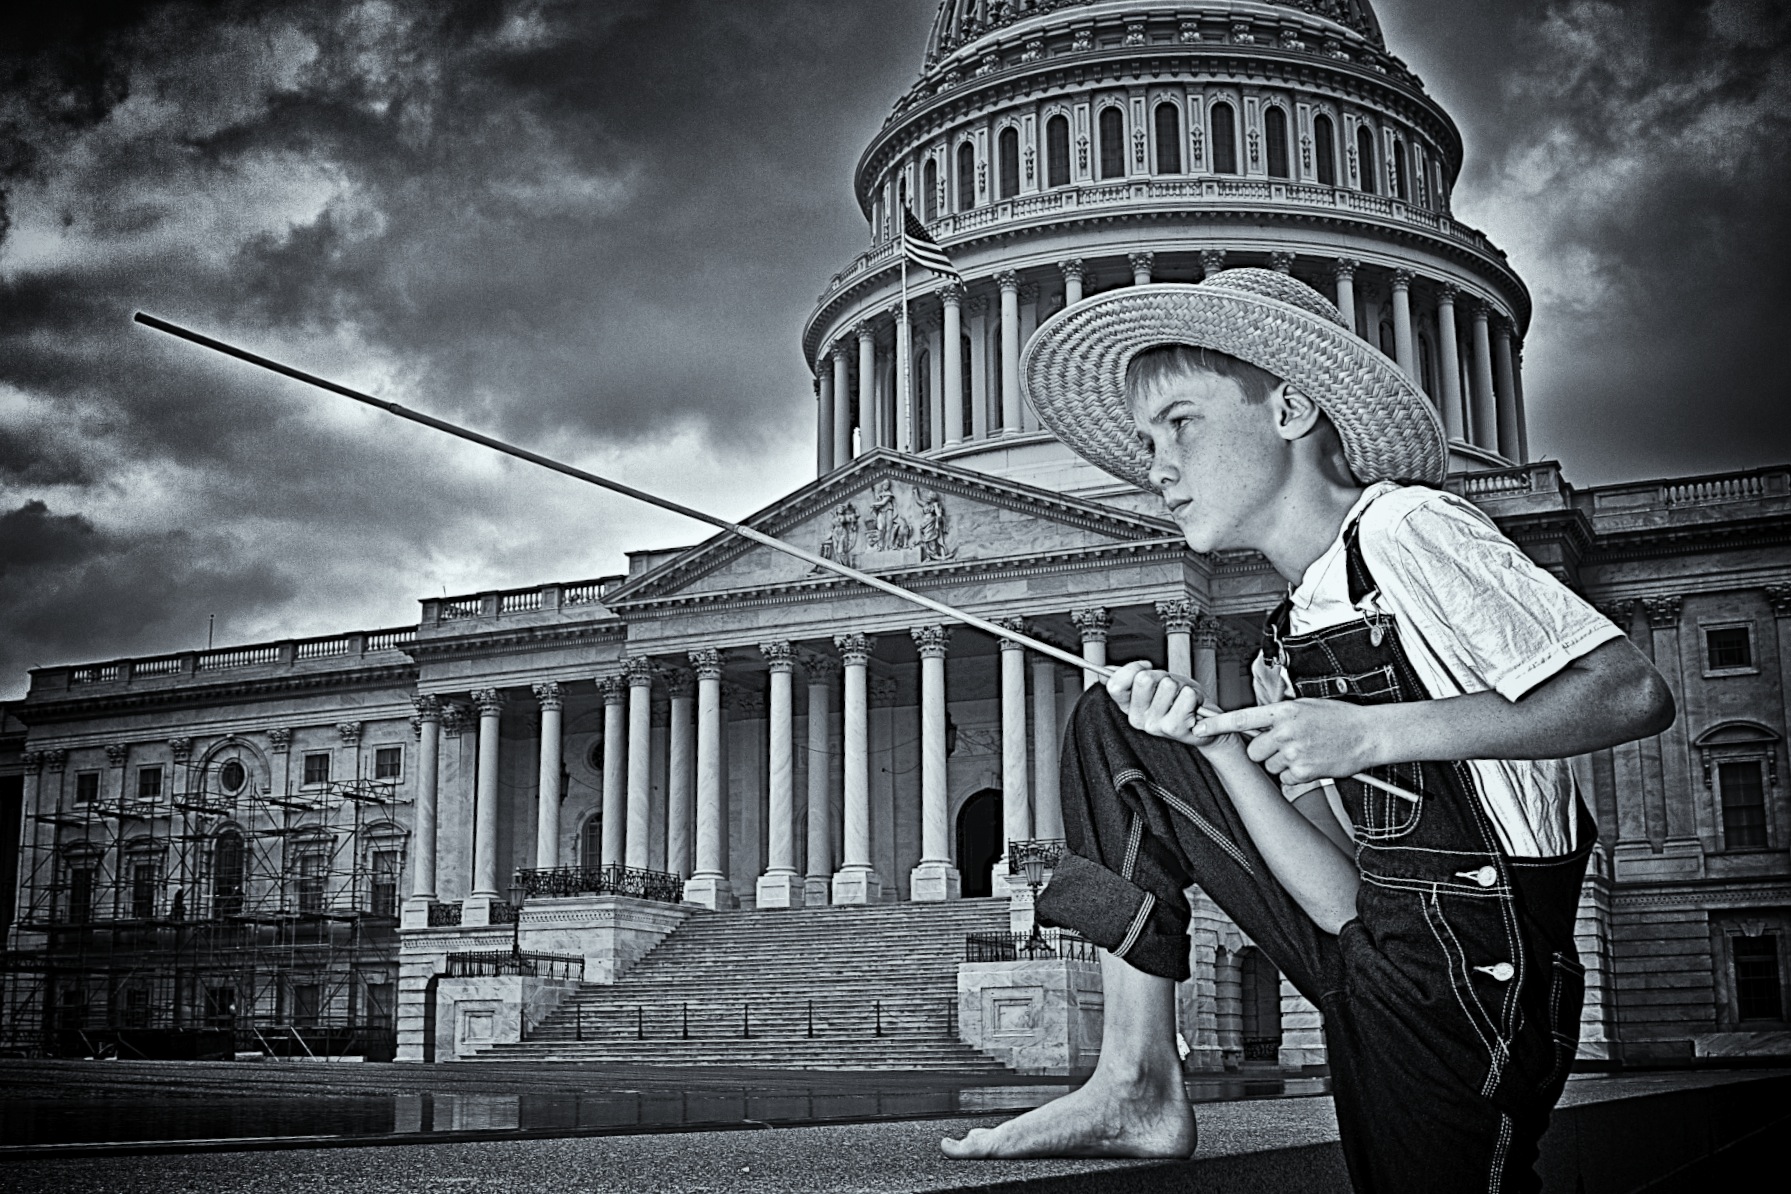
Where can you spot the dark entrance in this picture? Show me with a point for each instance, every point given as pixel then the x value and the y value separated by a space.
pixel 979 842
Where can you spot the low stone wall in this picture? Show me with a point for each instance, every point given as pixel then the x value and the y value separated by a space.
pixel 1035 1017
pixel 475 1013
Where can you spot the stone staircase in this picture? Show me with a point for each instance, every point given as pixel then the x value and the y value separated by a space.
pixel 844 988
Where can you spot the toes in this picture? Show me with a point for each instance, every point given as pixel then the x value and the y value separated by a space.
pixel 972 1145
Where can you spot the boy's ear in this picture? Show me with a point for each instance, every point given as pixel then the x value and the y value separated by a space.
pixel 1295 413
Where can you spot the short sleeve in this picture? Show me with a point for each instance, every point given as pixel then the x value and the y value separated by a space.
pixel 1479 602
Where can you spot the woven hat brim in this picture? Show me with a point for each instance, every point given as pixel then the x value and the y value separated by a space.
pixel 1074 374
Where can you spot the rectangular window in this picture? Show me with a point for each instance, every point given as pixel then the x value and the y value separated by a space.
pixel 1758 995
pixel 388 762
pixel 384 888
pixel 149 784
pixel 144 880
pixel 310 883
pixel 136 1007
pixel 86 787
pixel 317 769
pixel 307 1001
pixel 80 894
pixel 1727 647
pixel 1744 805
pixel 220 1007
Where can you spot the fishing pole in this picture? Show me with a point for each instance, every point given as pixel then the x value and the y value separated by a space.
pixel 640 495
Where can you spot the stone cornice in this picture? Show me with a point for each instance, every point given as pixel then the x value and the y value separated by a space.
pixel 1729 534
pixel 260 688
pixel 529 637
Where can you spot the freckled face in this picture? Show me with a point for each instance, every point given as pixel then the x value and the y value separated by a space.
pixel 1216 459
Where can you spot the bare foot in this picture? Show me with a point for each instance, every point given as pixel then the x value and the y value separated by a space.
pixel 1102 1119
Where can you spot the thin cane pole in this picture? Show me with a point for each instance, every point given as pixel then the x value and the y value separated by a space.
pixel 639 495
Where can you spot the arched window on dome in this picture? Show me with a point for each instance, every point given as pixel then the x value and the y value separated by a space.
pixel 1008 155
pixel 1169 139
pixel 1057 151
pixel 1225 140
pixel 930 181
pixel 966 176
pixel 1389 345
pixel 1113 143
pixel 1427 368
pixel 1274 135
pixel 1365 157
pixel 923 401
pixel 1401 188
pixel 1324 148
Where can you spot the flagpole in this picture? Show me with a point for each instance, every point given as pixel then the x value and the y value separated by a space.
pixel 905 347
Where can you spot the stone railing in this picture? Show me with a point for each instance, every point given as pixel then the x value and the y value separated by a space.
pixel 229 657
pixel 603 880
pixel 1716 489
pixel 536 599
pixel 283 654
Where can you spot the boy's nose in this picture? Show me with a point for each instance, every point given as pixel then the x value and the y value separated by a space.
pixel 1162 472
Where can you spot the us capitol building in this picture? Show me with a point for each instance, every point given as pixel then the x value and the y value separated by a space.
pixel 303 845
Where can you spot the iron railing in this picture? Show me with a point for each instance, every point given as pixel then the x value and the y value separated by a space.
pixel 1262 1048
pixel 1038 945
pixel 497 963
pixel 1048 850
pixel 602 880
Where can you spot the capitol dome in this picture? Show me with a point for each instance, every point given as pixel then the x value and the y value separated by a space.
pixel 1059 148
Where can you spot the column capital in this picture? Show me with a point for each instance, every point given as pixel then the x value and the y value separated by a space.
pixel 488 700
pixel 1344 269
pixel 881 690
pixel 1663 612
pixel 453 718
pixel 839 350
pixel 1447 292
pixel 855 649
pixel 1402 279
pixel 549 694
pixel 1177 616
pixel 1211 262
pixel 865 329
pixel 1011 623
pixel 1071 268
pixel 116 752
pixel 820 668
pixel 57 758
pixel 931 640
pixel 182 748
pixel 1029 292
pixel 1141 261
pixel 1780 597
pixel 707 662
pixel 1207 630
pixel 680 683
pixel 350 732
pixel 428 706
pixel 1620 612
pixel 1479 308
pixel 1008 280
pixel 1281 263
pixel 614 688
pixel 976 305
pixel 951 294
pixel 639 670
pixel 1093 623
pixel 780 655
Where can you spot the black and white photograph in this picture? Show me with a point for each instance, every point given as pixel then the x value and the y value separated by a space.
pixel 895 596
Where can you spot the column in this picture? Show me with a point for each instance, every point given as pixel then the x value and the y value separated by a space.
pixel 780 886
pixel 429 733
pixel 1404 348
pixel 935 382
pixel 821 670
pixel 1047 804
pixel 870 423
pixel 1449 361
pixel 547 783
pixel 935 878
pixel 978 397
pixel 1344 273
pixel 1016 794
pixel 680 787
pixel 856 882
pixel 900 433
pixel 1281 263
pixel 823 419
pixel 709 885
pixel 1092 624
pixel 951 299
pixel 1506 373
pixel 1485 422
pixel 485 796
pixel 842 406
pixel 1206 656
pixel 1178 625
pixel 1141 266
pixel 1517 394
pixel 1010 351
pixel 1211 262
pixel 615 768
pixel 1072 281
pixel 639 841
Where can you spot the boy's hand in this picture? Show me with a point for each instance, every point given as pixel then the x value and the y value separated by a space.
pixel 1161 704
pixel 1302 739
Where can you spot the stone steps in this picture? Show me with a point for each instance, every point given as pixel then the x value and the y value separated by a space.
pixel 769 967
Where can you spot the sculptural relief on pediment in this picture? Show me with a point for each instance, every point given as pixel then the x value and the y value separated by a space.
pixel 892 526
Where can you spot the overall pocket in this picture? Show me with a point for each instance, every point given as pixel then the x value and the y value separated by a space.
pixel 1566 999
pixel 1378 815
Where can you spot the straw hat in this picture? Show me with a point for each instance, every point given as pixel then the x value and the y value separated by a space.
pixel 1074 370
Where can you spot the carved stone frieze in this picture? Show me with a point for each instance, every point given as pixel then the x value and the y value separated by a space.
pixel 897 527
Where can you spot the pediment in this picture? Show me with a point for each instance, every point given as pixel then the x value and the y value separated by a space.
pixel 886 513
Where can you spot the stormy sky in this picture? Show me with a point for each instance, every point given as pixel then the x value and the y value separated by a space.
pixel 596 228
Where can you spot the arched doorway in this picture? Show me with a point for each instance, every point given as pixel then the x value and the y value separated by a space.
pixel 1261 1000
pixel 979 842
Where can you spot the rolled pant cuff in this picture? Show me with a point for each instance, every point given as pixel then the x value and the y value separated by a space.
pixel 1117 915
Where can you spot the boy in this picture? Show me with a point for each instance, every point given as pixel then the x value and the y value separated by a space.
pixel 1434 927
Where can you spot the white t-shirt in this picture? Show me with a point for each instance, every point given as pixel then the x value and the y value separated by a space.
pixel 1474 613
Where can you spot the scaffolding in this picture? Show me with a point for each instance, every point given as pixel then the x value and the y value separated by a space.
pixel 217 917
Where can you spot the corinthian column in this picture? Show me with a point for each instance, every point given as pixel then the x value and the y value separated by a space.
pixel 1449 361
pixel 780 886
pixel 1047 804
pixel 856 881
pixel 615 768
pixel 1486 420
pixel 1072 281
pixel 842 407
pixel 870 419
pixel 485 796
pixel 1141 264
pixel 1009 282
pixel 680 820
pixel 1206 656
pixel 639 848
pixel 547 782
pixel 709 885
pixel 1345 275
pixel 1506 374
pixel 1016 794
pixel 1092 624
pixel 1404 349
pixel 935 879
pixel 1178 624
pixel 821 669
pixel 951 299
pixel 429 733
pixel 823 419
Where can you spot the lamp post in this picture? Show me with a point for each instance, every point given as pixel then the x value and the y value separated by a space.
pixel 1031 857
pixel 517 894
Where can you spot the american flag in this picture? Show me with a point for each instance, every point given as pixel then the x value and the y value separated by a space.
pixel 923 250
